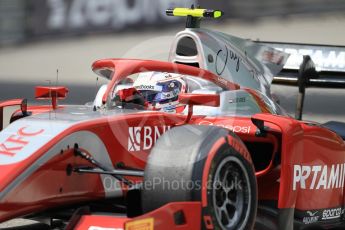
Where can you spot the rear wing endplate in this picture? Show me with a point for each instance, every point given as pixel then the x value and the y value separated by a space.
pixel 329 64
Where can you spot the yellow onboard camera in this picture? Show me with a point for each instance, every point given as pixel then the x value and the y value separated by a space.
pixel 193 15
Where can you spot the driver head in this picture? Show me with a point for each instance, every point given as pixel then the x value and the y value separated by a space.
pixel 160 89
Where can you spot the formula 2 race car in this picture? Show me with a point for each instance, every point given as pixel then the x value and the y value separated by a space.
pixel 193 143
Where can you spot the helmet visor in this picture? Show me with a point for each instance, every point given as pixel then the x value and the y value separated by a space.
pixel 149 95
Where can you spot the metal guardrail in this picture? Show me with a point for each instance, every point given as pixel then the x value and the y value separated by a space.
pixel 22 20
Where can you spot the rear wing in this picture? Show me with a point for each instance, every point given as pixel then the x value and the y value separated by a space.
pixel 329 62
pixel 310 66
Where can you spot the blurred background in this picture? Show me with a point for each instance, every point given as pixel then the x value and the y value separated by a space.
pixel 39 37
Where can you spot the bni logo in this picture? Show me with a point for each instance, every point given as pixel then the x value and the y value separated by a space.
pixel 134 138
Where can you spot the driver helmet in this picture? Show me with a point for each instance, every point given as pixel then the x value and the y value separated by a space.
pixel 160 89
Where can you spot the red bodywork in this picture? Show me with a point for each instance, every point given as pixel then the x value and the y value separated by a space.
pixel 295 150
pixel 51 93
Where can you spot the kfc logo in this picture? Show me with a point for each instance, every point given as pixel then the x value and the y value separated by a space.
pixel 16 142
pixel 23 138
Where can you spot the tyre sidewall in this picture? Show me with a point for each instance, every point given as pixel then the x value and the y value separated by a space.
pixel 209 218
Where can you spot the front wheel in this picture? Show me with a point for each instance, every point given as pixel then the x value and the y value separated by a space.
pixel 206 164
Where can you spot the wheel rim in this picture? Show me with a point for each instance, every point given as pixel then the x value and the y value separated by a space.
pixel 231 193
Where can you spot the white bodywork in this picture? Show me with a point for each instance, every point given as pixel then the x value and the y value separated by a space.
pixel 238 60
pixel 25 137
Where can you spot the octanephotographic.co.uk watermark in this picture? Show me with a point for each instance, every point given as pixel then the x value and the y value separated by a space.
pixel 234 183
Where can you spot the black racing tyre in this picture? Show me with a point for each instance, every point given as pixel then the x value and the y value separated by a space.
pixel 207 164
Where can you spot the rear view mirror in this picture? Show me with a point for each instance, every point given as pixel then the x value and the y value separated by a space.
pixel 8 108
pixel 51 93
pixel 45 92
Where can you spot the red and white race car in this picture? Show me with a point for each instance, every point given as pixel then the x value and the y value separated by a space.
pixel 193 143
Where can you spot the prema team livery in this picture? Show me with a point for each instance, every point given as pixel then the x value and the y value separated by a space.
pixel 196 142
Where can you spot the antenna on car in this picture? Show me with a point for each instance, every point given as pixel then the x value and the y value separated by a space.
pixel 94 107
pixel 50 93
pixel 194 15
pixel 57 77
pixel 56 84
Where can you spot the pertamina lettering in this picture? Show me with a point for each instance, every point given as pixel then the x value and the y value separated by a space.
pixel 323 59
pixel 318 176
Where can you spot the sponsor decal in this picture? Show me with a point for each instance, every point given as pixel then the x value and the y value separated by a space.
pixel 144 224
pixel 234 142
pixel 236 59
pixel 23 138
pixel 233 128
pixel 222 58
pixel 134 138
pixel 237 100
pixel 332 213
pixel 148 87
pixel 273 57
pixel 236 128
pixel 145 87
pixel 143 138
pixel 318 176
pixel 311 218
pixel 16 142
pixel 324 59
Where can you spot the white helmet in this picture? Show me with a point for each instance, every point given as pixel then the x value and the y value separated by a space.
pixel 160 90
